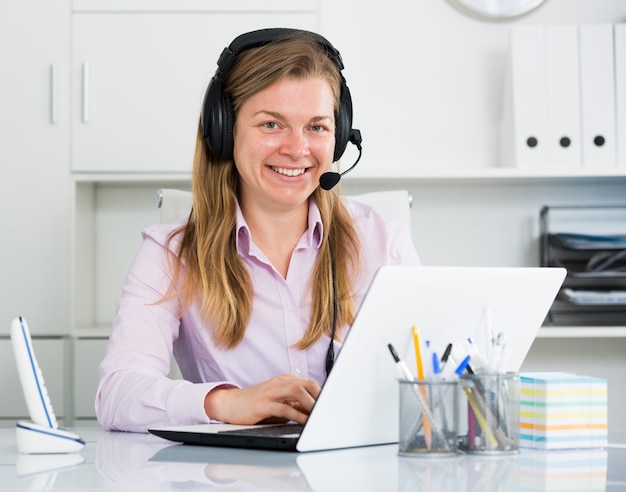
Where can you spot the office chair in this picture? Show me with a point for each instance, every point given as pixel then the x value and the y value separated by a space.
pixel 175 204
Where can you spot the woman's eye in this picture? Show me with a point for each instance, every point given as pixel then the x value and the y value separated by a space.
pixel 317 128
pixel 270 125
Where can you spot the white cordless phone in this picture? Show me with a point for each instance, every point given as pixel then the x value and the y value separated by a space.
pixel 42 435
pixel 31 377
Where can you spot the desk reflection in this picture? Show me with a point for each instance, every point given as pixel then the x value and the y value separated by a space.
pixel 135 459
pixel 139 460
pixel 125 461
pixel 471 473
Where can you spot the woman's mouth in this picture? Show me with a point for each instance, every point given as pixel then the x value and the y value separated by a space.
pixel 288 172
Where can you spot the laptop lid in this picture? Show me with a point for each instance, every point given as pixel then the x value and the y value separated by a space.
pixel 358 404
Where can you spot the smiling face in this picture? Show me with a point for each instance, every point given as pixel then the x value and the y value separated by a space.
pixel 284 140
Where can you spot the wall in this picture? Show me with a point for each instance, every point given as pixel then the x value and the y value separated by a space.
pixel 427 80
pixel 427 83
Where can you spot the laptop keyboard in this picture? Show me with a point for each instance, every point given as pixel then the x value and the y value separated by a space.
pixel 273 430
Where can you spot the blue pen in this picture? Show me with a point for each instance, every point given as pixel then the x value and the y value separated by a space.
pixel 464 363
pixel 436 367
pixel 449 373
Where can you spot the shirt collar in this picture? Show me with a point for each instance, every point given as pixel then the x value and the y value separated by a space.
pixel 312 237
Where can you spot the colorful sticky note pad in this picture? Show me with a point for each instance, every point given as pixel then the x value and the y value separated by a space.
pixel 561 410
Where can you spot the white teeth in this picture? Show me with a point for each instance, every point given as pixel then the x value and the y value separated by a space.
pixel 288 172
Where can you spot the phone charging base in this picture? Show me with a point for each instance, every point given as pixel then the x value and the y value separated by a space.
pixel 33 438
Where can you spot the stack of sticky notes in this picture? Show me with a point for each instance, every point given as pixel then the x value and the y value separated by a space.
pixel 561 410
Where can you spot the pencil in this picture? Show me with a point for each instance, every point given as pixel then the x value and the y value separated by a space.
pixel 480 417
pixel 420 376
pixel 418 353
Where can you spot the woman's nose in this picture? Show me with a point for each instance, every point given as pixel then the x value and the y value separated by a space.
pixel 296 144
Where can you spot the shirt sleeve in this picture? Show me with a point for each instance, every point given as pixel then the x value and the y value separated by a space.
pixel 134 392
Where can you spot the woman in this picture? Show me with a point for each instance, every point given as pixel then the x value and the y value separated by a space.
pixel 253 293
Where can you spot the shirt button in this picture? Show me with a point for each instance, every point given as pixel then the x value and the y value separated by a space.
pixel 298 370
pixel 290 308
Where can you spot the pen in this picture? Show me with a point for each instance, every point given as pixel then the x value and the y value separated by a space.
pixel 434 358
pixel 477 357
pixel 449 371
pixel 436 367
pixel 489 340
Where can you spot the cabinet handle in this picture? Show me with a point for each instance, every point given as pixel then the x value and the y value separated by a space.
pixel 85 92
pixel 54 94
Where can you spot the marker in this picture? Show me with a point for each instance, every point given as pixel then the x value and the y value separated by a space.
pixel 427 416
pixel 497 352
pixel 446 353
pixel 479 359
pixel 450 373
pixel 462 366
pixel 403 369
pixel 489 340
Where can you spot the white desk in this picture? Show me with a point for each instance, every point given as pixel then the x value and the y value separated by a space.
pixel 120 461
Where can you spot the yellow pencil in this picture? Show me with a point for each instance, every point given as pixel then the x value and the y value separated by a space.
pixel 420 376
pixel 418 353
pixel 478 413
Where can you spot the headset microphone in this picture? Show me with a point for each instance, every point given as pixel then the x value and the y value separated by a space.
pixel 329 179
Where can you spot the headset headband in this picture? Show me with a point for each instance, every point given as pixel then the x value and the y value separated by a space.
pixel 217 118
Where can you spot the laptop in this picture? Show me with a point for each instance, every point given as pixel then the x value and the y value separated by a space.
pixel 358 404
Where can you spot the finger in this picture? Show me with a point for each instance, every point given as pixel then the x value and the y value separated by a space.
pixel 290 411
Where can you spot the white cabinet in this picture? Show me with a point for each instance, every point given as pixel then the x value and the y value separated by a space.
pixel 34 164
pixel 141 79
pixel 140 74
pixel 87 353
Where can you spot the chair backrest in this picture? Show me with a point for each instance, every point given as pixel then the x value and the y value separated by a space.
pixel 175 204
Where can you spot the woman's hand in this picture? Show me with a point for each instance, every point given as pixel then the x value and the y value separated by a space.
pixel 281 398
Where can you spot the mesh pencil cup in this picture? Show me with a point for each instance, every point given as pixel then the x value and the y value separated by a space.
pixel 489 409
pixel 428 418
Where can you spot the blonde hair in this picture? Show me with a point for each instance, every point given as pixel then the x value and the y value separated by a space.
pixel 208 248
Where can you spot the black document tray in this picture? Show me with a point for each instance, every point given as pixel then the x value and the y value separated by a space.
pixel 570 236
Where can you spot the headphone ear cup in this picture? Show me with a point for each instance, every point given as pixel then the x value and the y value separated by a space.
pixel 217 123
pixel 228 121
pixel 343 125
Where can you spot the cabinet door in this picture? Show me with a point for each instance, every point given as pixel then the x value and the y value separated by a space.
pixel 88 353
pixel 50 355
pixel 140 83
pixel 34 164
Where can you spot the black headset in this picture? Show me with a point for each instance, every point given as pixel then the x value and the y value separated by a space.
pixel 217 118
pixel 217 121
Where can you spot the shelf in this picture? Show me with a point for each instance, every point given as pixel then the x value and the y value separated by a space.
pixel 131 177
pixel 413 175
pixel 95 332
pixel 582 332
pixel 545 332
pixel 183 6
pixel 489 175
